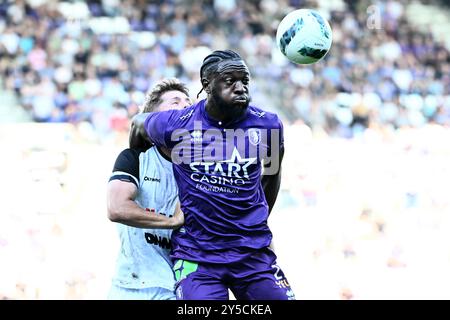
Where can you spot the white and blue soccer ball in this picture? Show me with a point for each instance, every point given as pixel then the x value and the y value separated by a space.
pixel 304 36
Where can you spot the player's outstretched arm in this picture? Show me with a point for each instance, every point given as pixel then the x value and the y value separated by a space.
pixel 139 138
pixel 123 209
pixel 271 183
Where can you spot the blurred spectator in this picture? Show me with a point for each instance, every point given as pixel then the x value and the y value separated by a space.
pixel 54 61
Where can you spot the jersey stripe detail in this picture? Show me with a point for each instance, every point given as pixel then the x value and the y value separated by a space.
pixel 120 175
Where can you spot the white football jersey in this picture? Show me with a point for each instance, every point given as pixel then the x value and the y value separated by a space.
pixel 143 259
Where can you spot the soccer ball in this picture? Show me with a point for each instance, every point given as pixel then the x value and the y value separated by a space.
pixel 304 36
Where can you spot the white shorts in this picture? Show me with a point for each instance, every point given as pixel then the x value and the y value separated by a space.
pixel 155 293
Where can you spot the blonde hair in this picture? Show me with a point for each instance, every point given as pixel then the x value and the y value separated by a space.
pixel 153 98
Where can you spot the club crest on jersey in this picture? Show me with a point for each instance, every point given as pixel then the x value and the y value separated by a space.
pixel 254 136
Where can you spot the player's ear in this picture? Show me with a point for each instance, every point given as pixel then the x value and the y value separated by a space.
pixel 205 84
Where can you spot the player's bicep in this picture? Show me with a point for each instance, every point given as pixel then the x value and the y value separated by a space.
pixel 272 165
pixel 272 162
pixel 119 194
pixel 124 180
pixel 160 126
pixel 155 127
pixel 121 190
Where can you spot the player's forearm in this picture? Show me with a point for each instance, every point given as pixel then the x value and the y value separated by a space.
pixel 130 214
pixel 139 138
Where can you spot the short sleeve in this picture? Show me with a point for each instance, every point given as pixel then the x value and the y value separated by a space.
pixel 157 126
pixel 126 167
pixel 281 136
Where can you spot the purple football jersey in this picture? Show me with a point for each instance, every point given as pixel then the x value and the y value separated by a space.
pixel 218 169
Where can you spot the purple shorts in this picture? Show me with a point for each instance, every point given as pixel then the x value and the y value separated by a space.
pixel 256 277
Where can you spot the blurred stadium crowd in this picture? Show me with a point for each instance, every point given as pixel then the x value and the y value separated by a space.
pixel 93 61
pixel 363 211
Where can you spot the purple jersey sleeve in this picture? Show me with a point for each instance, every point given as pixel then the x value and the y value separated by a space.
pixel 275 138
pixel 281 137
pixel 167 128
pixel 157 127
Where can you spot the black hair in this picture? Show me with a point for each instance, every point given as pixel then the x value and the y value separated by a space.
pixel 210 63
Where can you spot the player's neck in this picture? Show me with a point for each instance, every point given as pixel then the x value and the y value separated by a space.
pixel 223 113
pixel 215 113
